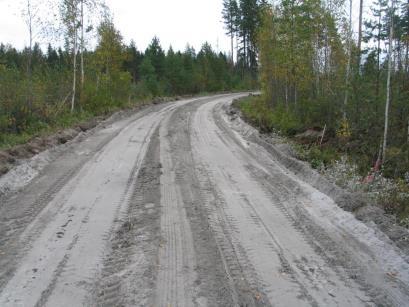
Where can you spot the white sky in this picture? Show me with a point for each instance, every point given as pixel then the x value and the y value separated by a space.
pixel 175 22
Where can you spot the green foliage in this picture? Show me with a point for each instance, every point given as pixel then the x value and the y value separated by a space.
pixel 303 58
pixel 116 76
pixel 256 111
pixel 321 157
pixel 397 163
pixel 396 201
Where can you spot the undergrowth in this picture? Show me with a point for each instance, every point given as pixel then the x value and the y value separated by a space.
pixel 39 128
pixel 345 164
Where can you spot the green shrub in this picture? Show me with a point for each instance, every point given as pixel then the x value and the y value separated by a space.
pixel 396 200
pixel 397 162
pixel 318 156
pixel 257 112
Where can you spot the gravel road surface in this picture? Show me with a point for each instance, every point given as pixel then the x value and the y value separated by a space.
pixel 179 205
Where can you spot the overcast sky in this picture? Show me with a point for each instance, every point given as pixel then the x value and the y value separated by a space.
pixel 175 22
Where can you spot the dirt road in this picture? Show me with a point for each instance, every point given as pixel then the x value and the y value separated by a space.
pixel 179 205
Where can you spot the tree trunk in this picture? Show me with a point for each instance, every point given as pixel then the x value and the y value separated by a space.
pixel 245 50
pixel 237 47
pixel 82 45
pixel 388 84
pixel 378 57
pixel 361 4
pixel 232 47
pixel 30 57
pixel 74 82
pixel 349 61
pixel 407 55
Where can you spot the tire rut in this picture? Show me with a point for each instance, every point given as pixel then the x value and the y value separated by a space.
pixel 177 259
pixel 129 271
pixel 86 211
pixel 219 271
pixel 266 234
pixel 292 197
pixel 19 211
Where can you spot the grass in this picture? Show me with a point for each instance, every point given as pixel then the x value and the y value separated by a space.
pixel 41 129
pixel 261 116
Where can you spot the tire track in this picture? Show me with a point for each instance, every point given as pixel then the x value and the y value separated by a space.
pixel 219 272
pixel 266 233
pixel 19 210
pixel 176 275
pixel 69 272
pixel 54 272
pixel 345 252
pixel 129 272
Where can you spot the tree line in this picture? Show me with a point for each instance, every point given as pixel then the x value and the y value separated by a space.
pixel 242 20
pixel 38 87
pixel 314 71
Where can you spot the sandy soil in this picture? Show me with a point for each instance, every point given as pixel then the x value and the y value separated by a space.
pixel 181 205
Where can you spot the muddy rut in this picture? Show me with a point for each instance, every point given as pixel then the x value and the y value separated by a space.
pixel 180 205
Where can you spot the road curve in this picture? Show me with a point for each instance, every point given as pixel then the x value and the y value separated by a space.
pixel 178 205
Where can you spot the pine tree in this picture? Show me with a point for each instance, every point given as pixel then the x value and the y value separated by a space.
pixel 230 11
pixel 157 56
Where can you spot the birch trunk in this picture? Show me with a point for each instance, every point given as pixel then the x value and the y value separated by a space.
pixel 378 57
pixel 74 82
pixel 348 72
pixel 29 21
pixel 82 45
pixel 388 83
pixel 232 48
pixel 361 5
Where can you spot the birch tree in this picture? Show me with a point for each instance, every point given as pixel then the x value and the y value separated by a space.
pixel 30 15
pixel 361 7
pixel 89 14
pixel 388 80
pixel 348 69
pixel 82 45
pixel 70 14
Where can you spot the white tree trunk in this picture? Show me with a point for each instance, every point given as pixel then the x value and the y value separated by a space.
pixel 74 82
pixel 29 20
pixel 388 84
pixel 348 72
pixel 232 48
pixel 361 7
pixel 82 45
